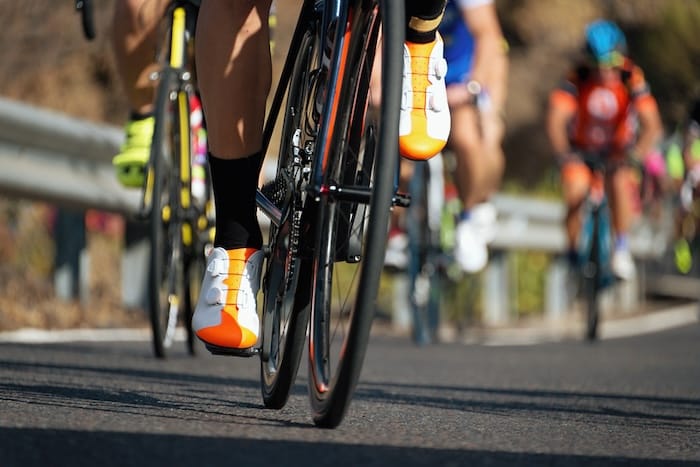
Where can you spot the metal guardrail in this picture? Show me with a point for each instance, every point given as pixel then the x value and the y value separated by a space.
pixel 48 156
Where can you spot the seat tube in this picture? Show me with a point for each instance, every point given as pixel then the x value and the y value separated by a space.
pixel 335 16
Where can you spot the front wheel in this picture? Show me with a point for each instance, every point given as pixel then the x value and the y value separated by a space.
pixel 351 216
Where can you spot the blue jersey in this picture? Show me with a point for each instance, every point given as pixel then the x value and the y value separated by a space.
pixel 459 44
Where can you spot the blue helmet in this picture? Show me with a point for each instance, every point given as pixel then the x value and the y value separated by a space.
pixel 605 42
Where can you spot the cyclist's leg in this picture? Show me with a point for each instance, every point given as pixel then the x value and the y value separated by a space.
pixel 234 73
pixel 620 182
pixel 480 165
pixel 425 117
pixel 135 32
pixel 575 182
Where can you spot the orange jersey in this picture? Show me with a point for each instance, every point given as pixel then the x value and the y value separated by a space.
pixel 604 109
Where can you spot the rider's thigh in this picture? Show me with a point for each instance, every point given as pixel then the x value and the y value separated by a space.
pixel 465 135
pixel 575 181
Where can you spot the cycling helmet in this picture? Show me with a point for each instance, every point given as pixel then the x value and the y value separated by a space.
pixel 605 42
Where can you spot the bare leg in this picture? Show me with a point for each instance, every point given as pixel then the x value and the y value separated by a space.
pixel 234 71
pixel 135 32
pixel 480 161
pixel 621 200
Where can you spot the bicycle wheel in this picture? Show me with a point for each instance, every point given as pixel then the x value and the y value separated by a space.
pixel 192 277
pixel 424 259
pixel 166 274
pixel 285 308
pixel 591 281
pixel 351 216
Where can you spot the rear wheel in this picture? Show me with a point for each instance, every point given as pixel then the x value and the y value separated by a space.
pixel 285 309
pixel 351 215
pixel 166 272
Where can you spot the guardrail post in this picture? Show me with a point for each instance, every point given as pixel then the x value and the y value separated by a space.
pixel 401 318
pixel 71 264
pixel 496 292
pixel 557 288
pixel 627 294
pixel 135 265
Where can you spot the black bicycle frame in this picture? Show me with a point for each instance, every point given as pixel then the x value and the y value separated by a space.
pixel 328 13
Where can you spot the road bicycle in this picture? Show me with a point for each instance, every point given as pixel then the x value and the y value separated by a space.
pixel 329 202
pixel 180 219
pixel 180 224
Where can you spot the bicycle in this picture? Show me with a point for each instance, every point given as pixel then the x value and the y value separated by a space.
pixel 595 241
pixel 180 224
pixel 330 200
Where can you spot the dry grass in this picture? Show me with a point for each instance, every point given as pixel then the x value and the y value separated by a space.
pixel 27 295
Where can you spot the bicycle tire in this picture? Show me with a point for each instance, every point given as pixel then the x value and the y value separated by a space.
pixel 340 326
pixel 424 253
pixel 194 271
pixel 166 271
pixel 285 306
pixel 591 282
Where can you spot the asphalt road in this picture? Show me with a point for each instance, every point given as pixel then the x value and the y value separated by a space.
pixel 627 401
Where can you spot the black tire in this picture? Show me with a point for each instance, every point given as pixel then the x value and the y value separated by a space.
pixel 194 271
pixel 345 286
pixel 424 275
pixel 591 283
pixel 285 309
pixel 166 272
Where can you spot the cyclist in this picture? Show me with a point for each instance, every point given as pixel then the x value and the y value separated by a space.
pixel 691 143
pixel 604 106
pixel 476 79
pixel 234 73
pixel 687 166
pixel 477 54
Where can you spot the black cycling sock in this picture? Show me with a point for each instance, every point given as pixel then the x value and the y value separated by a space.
pixel 422 19
pixel 234 182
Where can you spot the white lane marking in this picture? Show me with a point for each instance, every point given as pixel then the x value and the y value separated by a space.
pixel 651 322
pixel 42 336
pixel 609 329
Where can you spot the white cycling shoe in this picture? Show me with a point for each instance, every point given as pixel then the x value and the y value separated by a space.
pixel 623 265
pixel 226 317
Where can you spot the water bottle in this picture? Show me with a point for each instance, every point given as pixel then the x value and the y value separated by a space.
pixel 199 150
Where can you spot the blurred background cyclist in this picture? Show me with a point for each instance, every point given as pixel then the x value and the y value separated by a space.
pixel 684 170
pixel 476 80
pixel 604 106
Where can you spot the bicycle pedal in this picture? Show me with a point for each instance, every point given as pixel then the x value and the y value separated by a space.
pixel 227 352
pixel 402 200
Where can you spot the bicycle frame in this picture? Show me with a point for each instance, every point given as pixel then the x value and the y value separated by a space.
pixel 326 13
